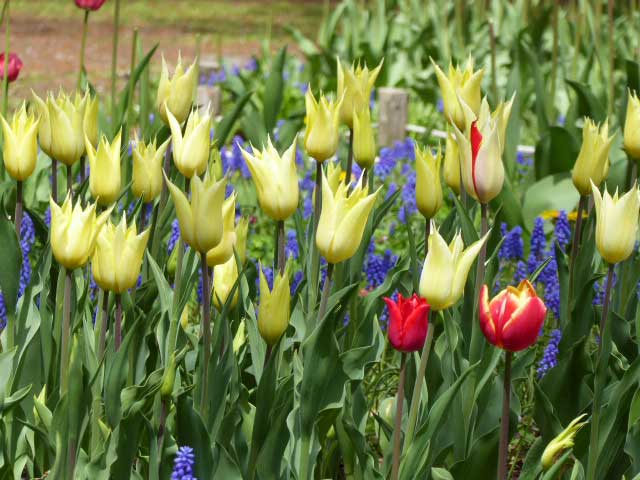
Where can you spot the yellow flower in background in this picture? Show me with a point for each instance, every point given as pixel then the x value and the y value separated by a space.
pixel 117 258
pixel 354 87
pixel 632 126
pixel 191 149
pixel 275 179
pixel 616 223
pixel 274 309
pixel 343 219
pixel 459 85
pixel 242 231
pixel 74 231
pixel 592 164
pixel 176 93
pixel 104 176
pixel 451 169
pixel 67 134
pixel 428 187
pixel 225 277
pixel 20 146
pixel 224 250
pixel 90 120
pixel 445 269
pixel 321 134
pixel 147 169
pixel 561 442
pixel 364 142
pixel 201 219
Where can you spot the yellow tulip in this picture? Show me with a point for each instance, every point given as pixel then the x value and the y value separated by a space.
pixel 44 124
pixel 224 250
pixel 561 442
pixel 364 143
pixel 616 223
pixel 459 85
pixel 321 134
pixel 354 86
pixel 147 170
pixel 224 278
pixel 201 219
pixel 20 146
pixel 104 173
pixel 274 310
pixel 335 175
pixel 176 93
pixel 451 169
pixel 117 258
pixel 90 120
pixel 74 232
pixel 242 231
pixel 275 178
pixel 446 268
pixel 632 127
pixel 191 150
pixel 428 187
pixel 343 219
pixel 67 134
pixel 593 160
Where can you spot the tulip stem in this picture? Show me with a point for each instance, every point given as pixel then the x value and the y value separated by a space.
pixel 118 325
pixel 83 44
pixel 326 289
pixel 575 245
pixel 603 359
pixel 281 256
pixel 69 182
pixel 494 72
pixel 612 57
pixel 66 332
pixel 161 427
pixel 427 233
pixel 206 332
pixel 114 56
pixel 417 388
pixel 104 320
pixel 504 422
pixel 54 180
pixel 155 240
pixel 395 464
pixel 315 259
pixel 347 177
pixel 365 177
pixel 554 54
pixel 18 215
pixel 5 71
pixel 474 354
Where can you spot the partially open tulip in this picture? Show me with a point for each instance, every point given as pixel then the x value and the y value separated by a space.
pixel 274 309
pixel 66 134
pixel 354 87
pixel 201 218
pixel 592 164
pixel 176 93
pixel 147 170
pixel 44 124
pixel 321 134
pixel 117 258
pixel 364 142
pixel 225 275
pixel 15 65
pixel 451 169
pixel 562 442
pixel 90 120
pixel 275 179
pixel 428 187
pixel 90 4
pixel 445 269
pixel 224 250
pixel 632 127
pixel 342 220
pixel 74 232
pixel 20 146
pixel 459 85
pixel 104 177
pixel 408 322
pixel 616 223
pixel 513 318
pixel 191 149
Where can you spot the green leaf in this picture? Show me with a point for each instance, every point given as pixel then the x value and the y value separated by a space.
pixel 223 128
pixel 588 104
pixel 556 152
pixel 11 255
pixel 273 93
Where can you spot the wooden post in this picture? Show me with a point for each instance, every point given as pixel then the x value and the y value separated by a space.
pixel 393 117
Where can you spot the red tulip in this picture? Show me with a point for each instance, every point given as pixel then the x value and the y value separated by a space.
pixel 513 318
pixel 90 4
pixel 408 322
pixel 15 65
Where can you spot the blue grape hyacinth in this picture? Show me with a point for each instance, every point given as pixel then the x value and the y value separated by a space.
pixel 183 464
pixel 550 357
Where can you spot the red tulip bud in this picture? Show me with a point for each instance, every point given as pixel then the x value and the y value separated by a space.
pixel 90 4
pixel 408 322
pixel 513 318
pixel 15 65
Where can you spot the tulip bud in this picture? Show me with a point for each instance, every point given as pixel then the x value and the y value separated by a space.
pixel 90 4
pixel 14 67
pixel 275 179
pixel 632 127
pixel 104 176
pixel 593 160
pixel 513 319
pixel 67 135
pixel 459 85
pixel 147 170
pixel 364 143
pixel 239 338
pixel 44 124
pixel 342 219
pixel 117 258
pixel 168 378
pixel 242 230
pixel 74 232
pixel 273 314
pixel 386 411
pixel 176 94
pixel 616 223
pixel 428 188
pixel 408 322
pixel 215 163
pixel 452 164
pixel 225 277
pixel 224 250
pixel 321 134
pixel 41 412
pixel 20 146
pixel 561 442
pixel 191 150
pixel 90 120
pixel 446 268
pixel 201 219
pixel 354 86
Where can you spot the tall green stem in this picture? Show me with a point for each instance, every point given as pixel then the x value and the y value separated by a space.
pixel 83 44
pixel 114 56
pixel 118 323
pixel 19 206
pixel 347 177
pixel 281 259
pixel 206 332
pixel 164 194
pixel 395 463
pixel 104 321
pixel 612 57
pixel 326 289
pixel 315 259
pixel 575 245
pixel 494 67
pixel 7 44
pixel 504 422
pixel 474 353
pixel 554 54
pixel 66 332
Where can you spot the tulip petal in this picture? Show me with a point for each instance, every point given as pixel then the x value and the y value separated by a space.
pixel 523 328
